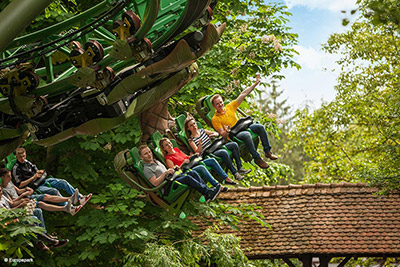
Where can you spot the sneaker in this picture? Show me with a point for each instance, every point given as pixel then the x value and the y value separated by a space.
pixel 224 189
pixel 59 243
pixel 75 197
pixel 262 164
pixel 271 156
pixel 213 193
pixel 84 199
pixel 238 176
pixel 75 210
pixel 41 246
pixel 68 206
pixel 243 171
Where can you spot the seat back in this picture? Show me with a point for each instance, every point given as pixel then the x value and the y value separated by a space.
pixel 180 121
pixel 10 161
pixel 155 138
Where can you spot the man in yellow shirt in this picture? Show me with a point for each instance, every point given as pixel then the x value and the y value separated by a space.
pixel 225 118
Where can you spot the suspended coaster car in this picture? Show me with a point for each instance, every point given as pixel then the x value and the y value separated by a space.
pixel 94 71
pixel 170 194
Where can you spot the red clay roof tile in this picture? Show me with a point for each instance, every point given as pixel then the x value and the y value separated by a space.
pixel 344 219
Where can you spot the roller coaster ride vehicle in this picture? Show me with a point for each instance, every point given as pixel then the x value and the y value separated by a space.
pixel 97 69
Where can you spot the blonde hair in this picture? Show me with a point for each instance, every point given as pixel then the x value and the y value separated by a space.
pixel 160 144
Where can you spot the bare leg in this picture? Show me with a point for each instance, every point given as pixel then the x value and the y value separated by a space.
pixel 55 199
pixel 51 207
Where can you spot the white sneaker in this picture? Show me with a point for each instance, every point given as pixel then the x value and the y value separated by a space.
pixel 75 197
pixel 75 210
pixel 85 199
pixel 68 206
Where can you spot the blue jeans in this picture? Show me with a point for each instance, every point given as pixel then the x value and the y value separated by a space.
pixel 213 163
pixel 205 174
pixel 37 214
pixel 56 184
pixel 245 136
pixel 193 180
pixel 224 155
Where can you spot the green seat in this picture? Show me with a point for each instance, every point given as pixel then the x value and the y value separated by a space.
pixel 180 122
pixel 155 138
pixel 10 161
pixel 129 166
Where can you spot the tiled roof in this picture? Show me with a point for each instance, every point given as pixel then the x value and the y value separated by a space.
pixel 334 219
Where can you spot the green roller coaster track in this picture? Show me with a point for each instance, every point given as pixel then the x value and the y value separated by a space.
pixel 97 69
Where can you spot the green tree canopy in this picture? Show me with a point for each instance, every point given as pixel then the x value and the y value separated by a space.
pixel 118 226
pixel 356 137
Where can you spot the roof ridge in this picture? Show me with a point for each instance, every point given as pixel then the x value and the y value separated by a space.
pixel 336 187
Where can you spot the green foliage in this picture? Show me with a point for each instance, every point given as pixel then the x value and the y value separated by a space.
pixel 119 226
pixel 382 11
pixel 278 111
pixel 17 232
pixel 223 250
pixel 256 40
pixel 356 137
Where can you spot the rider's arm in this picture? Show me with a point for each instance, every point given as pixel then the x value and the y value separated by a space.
pixel 170 164
pixel 222 132
pixel 211 133
pixel 195 148
pixel 14 204
pixel 156 181
pixel 28 181
pixel 248 90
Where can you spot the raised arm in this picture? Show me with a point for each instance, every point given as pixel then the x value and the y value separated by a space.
pixel 248 90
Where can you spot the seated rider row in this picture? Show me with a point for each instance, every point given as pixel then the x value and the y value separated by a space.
pixel 199 141
pixel 225 118
pixel 174 157
pixel 19 194
pixel 25 173
pixel 156 173
pixel 51 241
pixel 21 197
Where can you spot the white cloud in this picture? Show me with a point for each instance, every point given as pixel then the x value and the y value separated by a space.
pixel 314 82
pixel 312 59
pixel 333 5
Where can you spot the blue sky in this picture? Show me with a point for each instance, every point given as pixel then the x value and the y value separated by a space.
pixel 313 21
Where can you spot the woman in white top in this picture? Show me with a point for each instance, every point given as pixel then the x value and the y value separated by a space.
pixel 199 140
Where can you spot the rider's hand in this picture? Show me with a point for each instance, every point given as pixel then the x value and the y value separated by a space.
pixel 186 161
pixel 26 193
pixel 215 134
pixel 257 78
pixel 170 171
